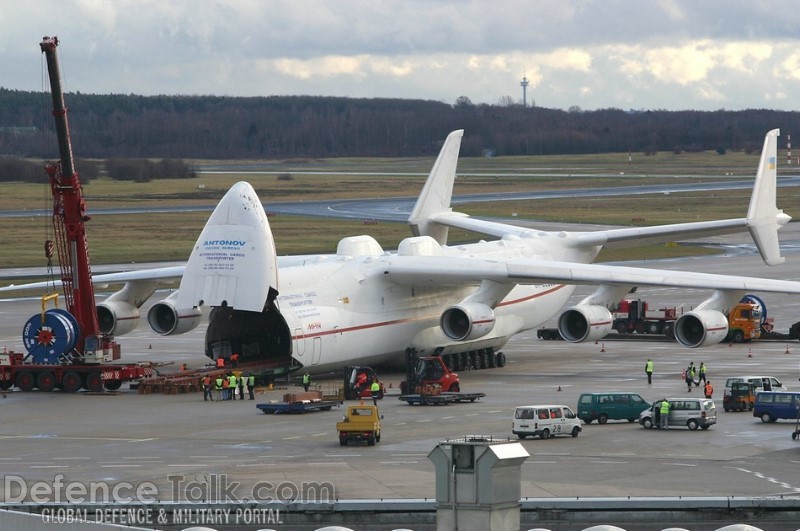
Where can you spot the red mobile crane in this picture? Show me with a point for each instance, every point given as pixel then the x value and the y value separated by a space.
pixel 66 348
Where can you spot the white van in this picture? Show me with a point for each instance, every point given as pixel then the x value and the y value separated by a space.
pixel 545 421
pixel 683 411
pixel 761 383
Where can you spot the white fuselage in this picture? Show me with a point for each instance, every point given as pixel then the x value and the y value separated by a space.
pixel 340 308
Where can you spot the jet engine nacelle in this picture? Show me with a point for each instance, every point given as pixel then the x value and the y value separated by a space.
pixel 117 317
pixel 700 328
pixel 167 319
pixel 585 322
pixel 467 321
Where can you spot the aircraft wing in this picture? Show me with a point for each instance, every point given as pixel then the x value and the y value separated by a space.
pixel 163 275
pixel 435 270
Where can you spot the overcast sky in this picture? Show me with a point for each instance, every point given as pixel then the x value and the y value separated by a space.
pixel 594 54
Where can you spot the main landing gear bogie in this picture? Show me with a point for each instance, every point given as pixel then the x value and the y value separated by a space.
pixel 474 360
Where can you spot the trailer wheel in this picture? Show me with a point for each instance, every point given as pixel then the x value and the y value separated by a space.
pixel 46 381
pixel 113 385
pixel 71 382
pixel 342 441
pixel 455 388
pixel 501 359
pixel 25 381
pixel 94 382
pixel 5 385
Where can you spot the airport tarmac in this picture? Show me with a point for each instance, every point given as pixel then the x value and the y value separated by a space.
pixel 180 448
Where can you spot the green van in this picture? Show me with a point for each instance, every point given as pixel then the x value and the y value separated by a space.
pixel 613 405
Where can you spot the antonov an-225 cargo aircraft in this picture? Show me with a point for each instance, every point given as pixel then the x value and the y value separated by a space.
pixel 364 305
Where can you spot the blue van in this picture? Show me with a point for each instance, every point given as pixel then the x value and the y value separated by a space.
pixel 773 405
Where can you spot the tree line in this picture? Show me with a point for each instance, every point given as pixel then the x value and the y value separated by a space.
pixel 182 127
pixel 15 169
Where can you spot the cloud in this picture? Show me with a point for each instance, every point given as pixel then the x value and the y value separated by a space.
pixel 595 53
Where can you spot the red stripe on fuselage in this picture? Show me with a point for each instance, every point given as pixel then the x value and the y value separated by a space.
pixel 409 320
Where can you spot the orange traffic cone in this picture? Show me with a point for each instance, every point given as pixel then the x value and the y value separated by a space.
pixel 787 349
pixel 559 388
pixel 603 348
pixel 730 344
pixel 750 353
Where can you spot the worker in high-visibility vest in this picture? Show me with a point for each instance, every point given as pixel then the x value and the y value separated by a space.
pixel 375 388
pixel 251 385
pixel 306 381
pixel 218 386
pixel 242 386
pixel 664 425
pixel 226 388
pixel 232 386
pixel 207 388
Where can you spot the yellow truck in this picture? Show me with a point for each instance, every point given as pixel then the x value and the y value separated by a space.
pixel 360 423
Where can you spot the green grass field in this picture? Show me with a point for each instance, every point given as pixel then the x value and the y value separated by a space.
pixel 157 237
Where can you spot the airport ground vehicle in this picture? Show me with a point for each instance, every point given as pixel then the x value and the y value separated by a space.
pixel 744 319
pixel 545 421
pixel 690 412
pixel 427 371
pixel 761 383
pixel 361 423
pixel 298 403
pixel 68 349
pixel 632 316
pixel 358 382
pixel 741 397
pixel 430 382
pixel 613 405
pixel 774 405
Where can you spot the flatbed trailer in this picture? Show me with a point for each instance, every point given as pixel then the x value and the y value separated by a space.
pixel 276 408
pixel 14 371
pixel 298 403
pixel 441 398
